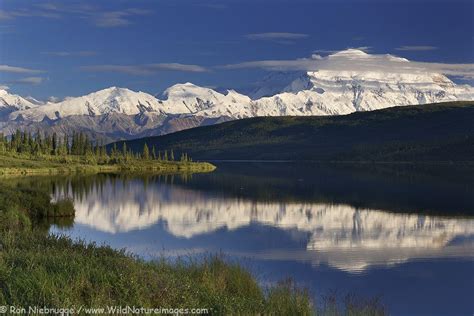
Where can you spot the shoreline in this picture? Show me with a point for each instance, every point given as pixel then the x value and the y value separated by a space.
pixel 168 167
pixel 355 162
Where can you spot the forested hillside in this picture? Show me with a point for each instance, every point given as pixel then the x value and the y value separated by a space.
pixel 430 132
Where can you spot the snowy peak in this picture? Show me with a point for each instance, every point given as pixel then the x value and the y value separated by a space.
pixel 110 100
pixel 188 98
pixel 352 67
pixel 14 101
pixel 119 100
pixel 372 78
pixel 185 90
pixel 357 54
pixel 102 102
pixel 355 64
pixel 351 52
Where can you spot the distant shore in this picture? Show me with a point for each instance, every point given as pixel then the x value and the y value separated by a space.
pixel 21 166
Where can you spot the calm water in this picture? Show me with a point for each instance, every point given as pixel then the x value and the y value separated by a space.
pixel 406 234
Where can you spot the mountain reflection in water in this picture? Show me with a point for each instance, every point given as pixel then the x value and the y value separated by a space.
pixel 345 237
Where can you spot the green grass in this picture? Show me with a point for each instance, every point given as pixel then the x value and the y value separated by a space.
pixel 38 269
pixel 56 272
pixel 21 165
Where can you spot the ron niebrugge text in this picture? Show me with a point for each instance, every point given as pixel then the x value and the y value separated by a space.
pixel 119 310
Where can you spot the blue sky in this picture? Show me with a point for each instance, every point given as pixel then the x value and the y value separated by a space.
pixel 70 48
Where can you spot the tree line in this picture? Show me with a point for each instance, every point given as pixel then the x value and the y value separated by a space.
pixel 79 144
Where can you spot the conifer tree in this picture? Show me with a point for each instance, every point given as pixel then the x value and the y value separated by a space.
pixel 2 144
pixel 146 152
pixel 124 151
pixel 54 143
pixel 65 146
pixel 113 154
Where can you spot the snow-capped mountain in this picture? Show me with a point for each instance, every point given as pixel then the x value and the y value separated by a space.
pixel 11 102
pixel 111 100
pixel 188 98
pixel 123 113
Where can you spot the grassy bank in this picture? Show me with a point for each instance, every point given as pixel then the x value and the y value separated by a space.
pixel 37 269
pixel 56 272
pixel 18 165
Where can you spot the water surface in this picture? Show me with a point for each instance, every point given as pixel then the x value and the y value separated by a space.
pixel 405 233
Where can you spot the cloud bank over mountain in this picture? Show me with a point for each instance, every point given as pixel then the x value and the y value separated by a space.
pixel 355 60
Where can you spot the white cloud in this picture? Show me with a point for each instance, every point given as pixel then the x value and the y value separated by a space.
pixel 325 51
pixel 18 70
pixel 118 18
pixel 145 69
pixel 83 53
pixel 4 87
pixel 29 80
pixel 177 67
pixel 366 49
pixel 112 19
pixel 4 15
pixel 273 36
pixel 25 13
pixel 281 38
pixel 92 13
pixel 356 60
pixel 416 48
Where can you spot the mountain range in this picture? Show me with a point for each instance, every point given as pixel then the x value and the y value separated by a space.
pixel 119 113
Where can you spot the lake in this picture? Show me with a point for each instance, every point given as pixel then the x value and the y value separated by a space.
pixel 402 233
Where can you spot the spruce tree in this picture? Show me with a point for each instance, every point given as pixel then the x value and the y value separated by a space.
pixel 66 144
pixel 124 151
pixel 146 152
pixel 54 141
pixel 114 153
pixel 2 144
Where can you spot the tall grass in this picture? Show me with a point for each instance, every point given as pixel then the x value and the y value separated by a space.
pixel 38 269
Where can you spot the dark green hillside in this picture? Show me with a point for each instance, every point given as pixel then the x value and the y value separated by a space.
pixel 432 132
